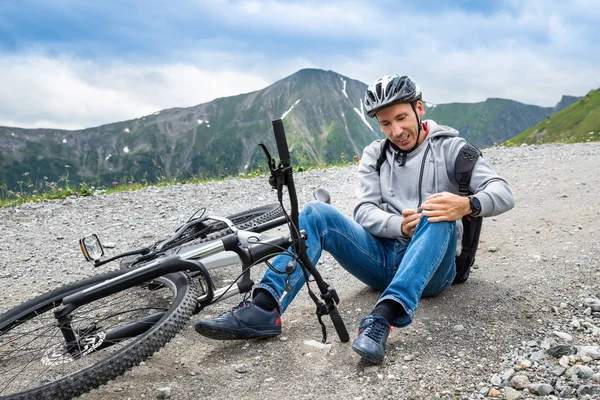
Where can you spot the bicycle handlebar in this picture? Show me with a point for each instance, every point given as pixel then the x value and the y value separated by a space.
pixel 282 147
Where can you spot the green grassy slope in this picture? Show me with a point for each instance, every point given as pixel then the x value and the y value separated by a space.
pixel 580 122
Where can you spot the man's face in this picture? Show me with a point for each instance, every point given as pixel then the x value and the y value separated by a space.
pixel 399 124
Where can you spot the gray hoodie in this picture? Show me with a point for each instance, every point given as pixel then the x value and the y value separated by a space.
pixel 427 170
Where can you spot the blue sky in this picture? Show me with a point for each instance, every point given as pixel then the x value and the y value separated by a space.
pixel 74 63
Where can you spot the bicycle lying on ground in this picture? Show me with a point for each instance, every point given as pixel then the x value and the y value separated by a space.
pixel 79 336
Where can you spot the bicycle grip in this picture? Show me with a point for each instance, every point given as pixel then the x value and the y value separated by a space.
pixel 282 147
pixel 340 328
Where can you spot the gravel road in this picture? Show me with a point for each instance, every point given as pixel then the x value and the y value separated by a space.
pixel 525 325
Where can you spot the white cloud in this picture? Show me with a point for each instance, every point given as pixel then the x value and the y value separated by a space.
pixel 533 52
pixel 534 55
pixel 69 93
pixel 331 19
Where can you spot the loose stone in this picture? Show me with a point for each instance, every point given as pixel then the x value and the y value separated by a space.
pixel 163 393
pixel 589 351
pixel 519 381
pixel 591 390
pixel 541 389
pixel 371 369
pixel 580 371
pixel 512 394
pixel 559 350
pixel 506 375
pixel 563 335
pixel 536 356
pixel 564 361
pixel 496 380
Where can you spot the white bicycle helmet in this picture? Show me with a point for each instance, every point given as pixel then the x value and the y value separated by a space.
pixel 391 89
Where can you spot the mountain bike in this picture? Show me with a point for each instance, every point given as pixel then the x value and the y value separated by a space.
pixel 79 336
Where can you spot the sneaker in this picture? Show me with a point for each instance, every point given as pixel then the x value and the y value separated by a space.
pixel 246 321
pixel 372 335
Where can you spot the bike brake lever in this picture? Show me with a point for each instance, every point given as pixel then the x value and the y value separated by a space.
pixel 271 163
pixel 270 159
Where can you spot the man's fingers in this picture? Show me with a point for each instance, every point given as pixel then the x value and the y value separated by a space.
pixel 433 196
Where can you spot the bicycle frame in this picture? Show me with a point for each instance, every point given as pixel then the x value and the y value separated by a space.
pixel 245 247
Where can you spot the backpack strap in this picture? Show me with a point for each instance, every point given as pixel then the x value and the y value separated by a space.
pixel 381 159
pixel 463 167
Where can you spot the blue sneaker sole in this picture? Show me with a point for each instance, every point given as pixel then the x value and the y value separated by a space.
pixel 221 334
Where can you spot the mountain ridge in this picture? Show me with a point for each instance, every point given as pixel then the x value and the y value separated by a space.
pixel 322 113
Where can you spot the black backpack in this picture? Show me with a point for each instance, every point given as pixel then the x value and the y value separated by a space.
pixel 463 167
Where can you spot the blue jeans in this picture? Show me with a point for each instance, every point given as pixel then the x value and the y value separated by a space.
pixel 403 270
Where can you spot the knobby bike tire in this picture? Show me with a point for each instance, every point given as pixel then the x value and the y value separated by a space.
pixel 244 220
pixel 35 365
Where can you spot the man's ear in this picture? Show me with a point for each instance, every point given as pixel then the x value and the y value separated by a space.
pixel 420 108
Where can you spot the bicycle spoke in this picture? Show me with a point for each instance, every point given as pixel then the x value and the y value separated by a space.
pixel 34 352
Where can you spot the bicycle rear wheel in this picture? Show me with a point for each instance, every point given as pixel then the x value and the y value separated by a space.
pixel 245 220
pixel 113 334
pixel 213 230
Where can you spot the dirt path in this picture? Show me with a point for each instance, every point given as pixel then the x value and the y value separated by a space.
pixel 542 253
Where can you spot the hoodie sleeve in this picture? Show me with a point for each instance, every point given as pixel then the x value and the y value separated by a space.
pixel 491 189
pixel 368 211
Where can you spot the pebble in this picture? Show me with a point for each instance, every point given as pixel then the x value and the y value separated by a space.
pixel 536 356
pixel 371 369
pixel 506 375
pixel 592 302
pixel 563 335
pixel 512 394
pixel 580 371
pixel 324 347
pixel 559 350
pixel 590 390
pixel 519 381
pixel 163 393
pixel 589 351
pixel 496 380
pixel 564 361
pixel 541 389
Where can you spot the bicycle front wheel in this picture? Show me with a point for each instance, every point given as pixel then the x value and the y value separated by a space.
pixel 113 334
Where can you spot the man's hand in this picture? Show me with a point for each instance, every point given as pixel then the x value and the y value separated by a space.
pixel 410 221
pixel 446 206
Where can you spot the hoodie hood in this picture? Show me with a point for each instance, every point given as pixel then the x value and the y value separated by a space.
pixel 435 130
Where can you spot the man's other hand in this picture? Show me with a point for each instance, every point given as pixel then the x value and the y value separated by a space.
pixel 410 220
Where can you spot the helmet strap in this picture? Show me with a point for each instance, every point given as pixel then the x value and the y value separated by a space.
pixel 419 127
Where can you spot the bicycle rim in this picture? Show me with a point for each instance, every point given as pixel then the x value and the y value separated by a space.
pixel 36 363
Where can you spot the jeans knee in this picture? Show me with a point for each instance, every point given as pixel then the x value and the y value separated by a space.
pixel 318 208
pixel 442 225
